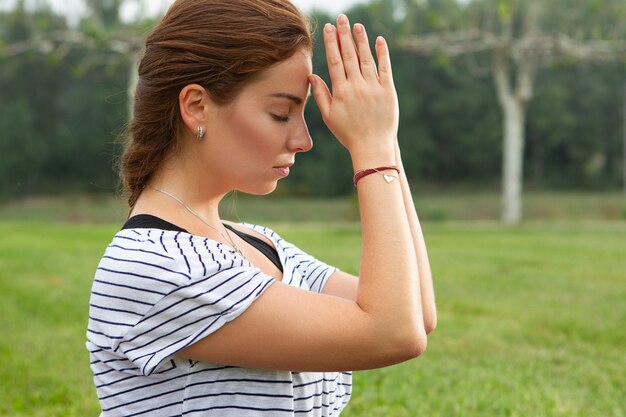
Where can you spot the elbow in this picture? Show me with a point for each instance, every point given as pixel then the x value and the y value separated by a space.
pixel 398 342
pixel 410 345
pixel 417 345
pixel 391 348
pixel 430 325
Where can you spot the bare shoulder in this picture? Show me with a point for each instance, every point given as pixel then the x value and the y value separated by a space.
pixel 250 231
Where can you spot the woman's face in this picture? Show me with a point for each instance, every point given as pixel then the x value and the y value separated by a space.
pixel 253 140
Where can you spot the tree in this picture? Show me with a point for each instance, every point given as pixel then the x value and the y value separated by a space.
pixel 54 102
pixel 102 34
pixel 515 39
pixel 63 93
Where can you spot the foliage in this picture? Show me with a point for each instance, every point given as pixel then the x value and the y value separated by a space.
pixel 60 114
pixel 574 135
pixel 531 321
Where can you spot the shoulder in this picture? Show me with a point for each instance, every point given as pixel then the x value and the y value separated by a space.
pixel 156 292
pixel 179 253
pixel 146 265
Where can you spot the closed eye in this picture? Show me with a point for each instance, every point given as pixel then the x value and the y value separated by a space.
pixel 281 119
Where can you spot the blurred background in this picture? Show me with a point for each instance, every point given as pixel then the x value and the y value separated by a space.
pixel 66 78
pixel 513 137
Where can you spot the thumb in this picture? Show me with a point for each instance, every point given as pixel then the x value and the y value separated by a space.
pixel 321 94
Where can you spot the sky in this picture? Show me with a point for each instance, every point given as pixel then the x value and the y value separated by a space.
pixel 73 8
pixel 331 6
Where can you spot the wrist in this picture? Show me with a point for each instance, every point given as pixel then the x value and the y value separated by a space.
pixel 385 170
pixel 373 158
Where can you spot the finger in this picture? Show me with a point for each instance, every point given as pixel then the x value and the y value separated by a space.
pixel 348 51
pixel 368 66
pixel 333 55
pixel 384 62
pixel 322 95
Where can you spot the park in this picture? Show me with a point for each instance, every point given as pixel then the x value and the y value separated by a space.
pixel 527 249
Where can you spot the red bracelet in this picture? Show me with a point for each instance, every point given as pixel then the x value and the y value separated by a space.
pixel 366 172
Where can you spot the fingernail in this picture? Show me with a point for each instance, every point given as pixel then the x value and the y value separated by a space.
pixel 359 28
pixel 328 28
pixel 342 19
pixel 380 40
pixel 312 80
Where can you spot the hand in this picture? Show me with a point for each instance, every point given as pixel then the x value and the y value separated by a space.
pixel 362 111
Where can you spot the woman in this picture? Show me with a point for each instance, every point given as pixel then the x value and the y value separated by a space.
pixel 193 315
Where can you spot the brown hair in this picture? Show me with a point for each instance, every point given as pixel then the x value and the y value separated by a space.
pixel 219 44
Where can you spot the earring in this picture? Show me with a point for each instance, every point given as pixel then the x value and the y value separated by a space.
pixel 200 134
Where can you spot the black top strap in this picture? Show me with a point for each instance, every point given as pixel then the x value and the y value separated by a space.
pixel 148 221
pixel 261 246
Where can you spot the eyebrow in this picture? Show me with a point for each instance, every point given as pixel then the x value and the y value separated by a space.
pixel 291 97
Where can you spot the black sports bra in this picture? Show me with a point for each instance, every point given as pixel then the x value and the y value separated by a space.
pixel 148 221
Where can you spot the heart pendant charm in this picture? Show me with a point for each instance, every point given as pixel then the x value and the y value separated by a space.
pixel 389 178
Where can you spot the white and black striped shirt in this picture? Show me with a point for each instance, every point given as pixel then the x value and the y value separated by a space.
pixel 158 291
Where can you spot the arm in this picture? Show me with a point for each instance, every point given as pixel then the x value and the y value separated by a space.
pixel 342 284
pixel 429 309
pixel 289 328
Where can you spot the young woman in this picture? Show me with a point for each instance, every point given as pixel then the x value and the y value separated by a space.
pixel 193 315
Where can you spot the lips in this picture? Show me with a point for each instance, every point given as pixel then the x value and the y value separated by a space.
pixel 283 170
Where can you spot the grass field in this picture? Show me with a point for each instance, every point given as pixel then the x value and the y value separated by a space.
pixel 532 320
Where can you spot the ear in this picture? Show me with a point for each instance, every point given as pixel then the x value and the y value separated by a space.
pixel 194 103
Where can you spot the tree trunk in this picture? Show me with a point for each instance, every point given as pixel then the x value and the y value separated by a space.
pixel 133 79
pixel 512 160
pixel 513 104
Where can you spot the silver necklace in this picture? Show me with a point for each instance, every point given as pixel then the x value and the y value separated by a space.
pixel 197 216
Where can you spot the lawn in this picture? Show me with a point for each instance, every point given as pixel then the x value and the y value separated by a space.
pixel 531 320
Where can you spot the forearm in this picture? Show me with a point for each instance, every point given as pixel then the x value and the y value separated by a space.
pixel 427 292
pixel 388 284
pixel 362 113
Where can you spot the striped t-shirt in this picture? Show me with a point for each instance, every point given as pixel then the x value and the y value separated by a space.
pixel 156 292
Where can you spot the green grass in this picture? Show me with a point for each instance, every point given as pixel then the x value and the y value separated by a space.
pixel 531 320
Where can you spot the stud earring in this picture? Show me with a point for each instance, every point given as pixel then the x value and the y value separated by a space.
pixel 200 134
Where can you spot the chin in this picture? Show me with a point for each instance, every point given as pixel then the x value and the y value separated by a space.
pixel 260 190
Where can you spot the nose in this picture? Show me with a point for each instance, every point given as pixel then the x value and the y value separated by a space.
pixel 301 140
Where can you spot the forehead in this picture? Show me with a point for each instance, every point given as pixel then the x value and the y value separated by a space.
pixel 290 75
